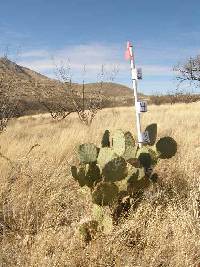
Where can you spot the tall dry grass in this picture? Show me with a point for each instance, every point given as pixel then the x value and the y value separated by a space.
pixel 41 206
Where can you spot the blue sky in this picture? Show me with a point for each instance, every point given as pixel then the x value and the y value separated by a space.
pixel 41 33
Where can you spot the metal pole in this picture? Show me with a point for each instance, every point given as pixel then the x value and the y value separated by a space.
pixel 134 84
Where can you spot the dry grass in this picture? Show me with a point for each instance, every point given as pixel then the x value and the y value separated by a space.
pixel 41 206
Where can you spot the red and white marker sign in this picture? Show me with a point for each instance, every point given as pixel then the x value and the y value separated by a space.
pixel 129 51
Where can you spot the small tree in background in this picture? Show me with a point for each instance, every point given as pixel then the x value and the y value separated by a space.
pixel 86 103
pixel 189 71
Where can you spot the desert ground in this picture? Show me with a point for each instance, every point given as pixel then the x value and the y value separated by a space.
pixel 41 206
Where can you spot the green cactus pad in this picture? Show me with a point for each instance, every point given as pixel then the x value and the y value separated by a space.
pixel 106 154
pixel 166 147
pixel 115 170
pixel 104 194
pixel 118 142
pixel 80 177
pixel 105 142
pixel 98 212
pixel 130 148
pixel 154 156
pixel 129 140
pixel 152 132
pixel 87 153
pixel 103 217
pixel 93 175
pixel 143 149
pixel 130 153
pixel 88 174
pixel 145 160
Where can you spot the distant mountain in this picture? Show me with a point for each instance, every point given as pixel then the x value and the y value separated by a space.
pixel 27 90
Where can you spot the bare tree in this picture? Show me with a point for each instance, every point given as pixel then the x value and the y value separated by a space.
pixel 189 71
pixel 59 98
pixel 56 104
pixel 86 103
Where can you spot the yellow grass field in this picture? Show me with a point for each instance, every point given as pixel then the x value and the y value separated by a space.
pixel 41 206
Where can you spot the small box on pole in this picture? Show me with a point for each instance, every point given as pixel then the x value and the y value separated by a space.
pixel 141 106
pixel 139 73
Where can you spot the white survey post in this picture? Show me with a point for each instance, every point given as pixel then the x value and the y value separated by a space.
pixel 138 106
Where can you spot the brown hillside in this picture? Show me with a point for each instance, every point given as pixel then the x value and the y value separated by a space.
pixel 26 89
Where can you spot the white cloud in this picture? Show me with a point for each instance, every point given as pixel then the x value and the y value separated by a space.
pixel 92 56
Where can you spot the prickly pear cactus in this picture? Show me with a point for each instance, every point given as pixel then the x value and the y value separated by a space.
pixel 119 167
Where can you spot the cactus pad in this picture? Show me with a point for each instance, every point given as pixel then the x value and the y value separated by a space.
pixel 106 154
pixel 130 153
pixel 152 133
pixel 79 175
pixel 129 140
pixel 98 212
pixel 130 148
pixel 166 147
pixel 87 153
pixel 88 174
pixel 118 142
pixel 93 175
pixel 145 160
pixel 115 170
pixel 104 194
pixel 105 142
pixel 154 156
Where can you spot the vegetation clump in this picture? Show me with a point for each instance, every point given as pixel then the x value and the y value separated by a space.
pixel 119 171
